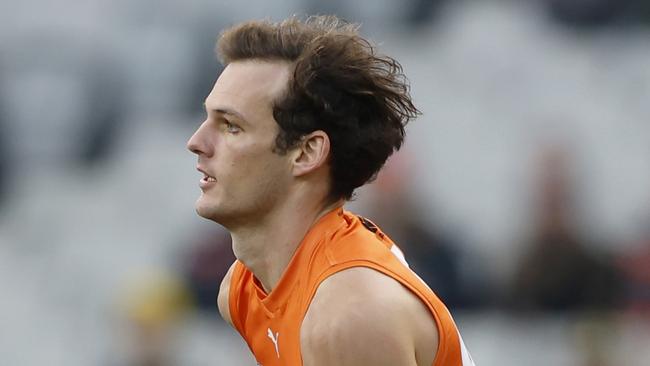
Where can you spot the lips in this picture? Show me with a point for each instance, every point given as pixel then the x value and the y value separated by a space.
pixel 207 178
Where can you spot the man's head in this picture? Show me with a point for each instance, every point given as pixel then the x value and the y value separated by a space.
pixel 319 102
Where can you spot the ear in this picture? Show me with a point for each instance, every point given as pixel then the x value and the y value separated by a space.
pixel 311 153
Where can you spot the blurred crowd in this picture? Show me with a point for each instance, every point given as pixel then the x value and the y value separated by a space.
pixel 522 197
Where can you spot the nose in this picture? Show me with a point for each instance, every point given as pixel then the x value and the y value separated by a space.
pixel 198 143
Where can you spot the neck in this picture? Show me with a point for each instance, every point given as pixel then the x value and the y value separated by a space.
pixel 267 245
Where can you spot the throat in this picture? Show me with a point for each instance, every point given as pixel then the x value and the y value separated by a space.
pixel 268 261
pixel 268 248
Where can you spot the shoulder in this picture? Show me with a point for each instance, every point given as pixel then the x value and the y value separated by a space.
pixel 362 317
pixel 223 297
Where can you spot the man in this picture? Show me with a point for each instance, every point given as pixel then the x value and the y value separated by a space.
pixel 304 113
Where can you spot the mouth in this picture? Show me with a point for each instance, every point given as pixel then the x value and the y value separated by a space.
pixel 207 179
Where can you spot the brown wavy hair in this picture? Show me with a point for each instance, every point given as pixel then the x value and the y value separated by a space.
pixel 339 85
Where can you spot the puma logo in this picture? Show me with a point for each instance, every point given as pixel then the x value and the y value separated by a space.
pixel 274 339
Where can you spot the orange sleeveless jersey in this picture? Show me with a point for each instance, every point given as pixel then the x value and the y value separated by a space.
pixel 270 323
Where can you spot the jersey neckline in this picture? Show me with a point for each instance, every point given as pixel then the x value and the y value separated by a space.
pixel 273 300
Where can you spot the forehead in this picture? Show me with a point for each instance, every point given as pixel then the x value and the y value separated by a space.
pixel 249 85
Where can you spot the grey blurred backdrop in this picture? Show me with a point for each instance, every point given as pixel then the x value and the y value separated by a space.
pixel 522 195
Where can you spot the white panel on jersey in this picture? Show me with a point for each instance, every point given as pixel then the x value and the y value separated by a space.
pixel 399 254
pixel 466 357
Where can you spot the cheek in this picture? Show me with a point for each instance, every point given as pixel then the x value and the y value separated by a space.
pixel 246 162
pixel 232 156
pixel 264 169
pixel 251 162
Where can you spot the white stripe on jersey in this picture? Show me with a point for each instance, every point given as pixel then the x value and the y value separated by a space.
pixel 465 356
pixel 399 254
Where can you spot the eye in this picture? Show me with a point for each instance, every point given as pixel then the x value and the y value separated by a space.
pixel 232 128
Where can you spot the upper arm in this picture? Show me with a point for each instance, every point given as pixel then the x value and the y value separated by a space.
pixel 223 297
pixel 362 317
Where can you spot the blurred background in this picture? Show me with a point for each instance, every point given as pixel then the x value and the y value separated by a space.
pixel 522 195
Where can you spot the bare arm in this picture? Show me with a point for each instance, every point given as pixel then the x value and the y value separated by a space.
pixel 362 317
pixel 223 297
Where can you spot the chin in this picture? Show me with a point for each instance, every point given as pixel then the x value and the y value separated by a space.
pixel 211 211
pixel 202 211
pixel 205 209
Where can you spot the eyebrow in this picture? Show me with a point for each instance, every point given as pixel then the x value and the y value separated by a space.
pixel 226 111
